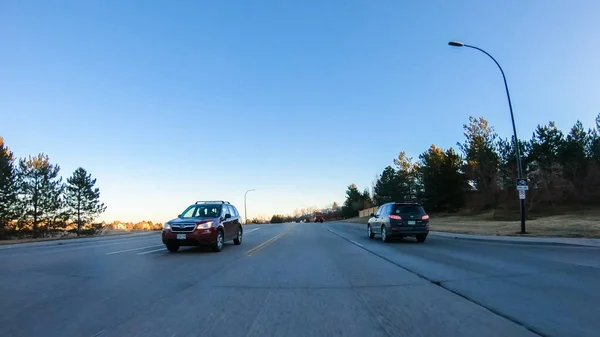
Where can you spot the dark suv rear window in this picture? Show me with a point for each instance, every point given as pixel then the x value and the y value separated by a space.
pixel 408 210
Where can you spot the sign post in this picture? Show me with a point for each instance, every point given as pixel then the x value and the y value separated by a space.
pixel 522 186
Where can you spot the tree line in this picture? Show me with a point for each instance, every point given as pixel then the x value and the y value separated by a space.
pixel 132 226
pixel 563 171
pixel 36 202
pixel 330 212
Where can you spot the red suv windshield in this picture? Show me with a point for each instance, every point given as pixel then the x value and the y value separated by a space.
pixel 202 211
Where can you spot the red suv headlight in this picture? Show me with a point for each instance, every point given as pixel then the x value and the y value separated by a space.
pixel 204 225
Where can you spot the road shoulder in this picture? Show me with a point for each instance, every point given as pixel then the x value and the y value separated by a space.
pixel 522 240
pixel 587 242
pixel 71 240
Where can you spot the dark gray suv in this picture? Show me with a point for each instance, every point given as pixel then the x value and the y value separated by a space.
pixel 398 220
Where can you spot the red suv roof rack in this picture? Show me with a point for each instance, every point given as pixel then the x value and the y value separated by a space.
pixel 212 202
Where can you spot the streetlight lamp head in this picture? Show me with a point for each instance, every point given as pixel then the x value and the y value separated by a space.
pixel 456 44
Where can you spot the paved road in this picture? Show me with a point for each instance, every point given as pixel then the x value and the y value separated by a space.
pixel 299 280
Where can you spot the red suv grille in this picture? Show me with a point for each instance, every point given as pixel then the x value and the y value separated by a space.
pixel 183 228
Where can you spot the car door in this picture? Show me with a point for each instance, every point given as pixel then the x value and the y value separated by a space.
pixel 226 221
pixel 384 216
pixel 236 222
pixel 231 230
pixel 376 225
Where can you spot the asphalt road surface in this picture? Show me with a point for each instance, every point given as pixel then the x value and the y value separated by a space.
pixel 299 280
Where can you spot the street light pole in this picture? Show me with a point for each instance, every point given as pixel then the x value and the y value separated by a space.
pixel 512 118
pixel 245 207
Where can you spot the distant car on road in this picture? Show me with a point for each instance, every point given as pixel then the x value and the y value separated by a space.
pixel 319 217
pixel 398 220
pixel 205 223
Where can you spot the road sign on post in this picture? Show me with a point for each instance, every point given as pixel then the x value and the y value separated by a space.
pixel 522 194
pixel 522 184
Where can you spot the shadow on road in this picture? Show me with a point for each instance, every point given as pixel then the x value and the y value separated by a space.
pixel 201 249
pixel 407 241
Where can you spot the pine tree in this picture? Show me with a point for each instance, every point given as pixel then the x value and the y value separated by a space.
pixel 594 151
pixel 508 170
pixel 82 198
pixel 387 188
pixel 41 194
pixel 353 203
pixel 407 176
pixel 546 169
pixel 546 145
pixel 366 200
pixel 480 154
pixel 573 156
pixel 443 183
pixel 8 188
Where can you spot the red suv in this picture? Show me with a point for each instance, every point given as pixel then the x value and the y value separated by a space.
pixel 205 223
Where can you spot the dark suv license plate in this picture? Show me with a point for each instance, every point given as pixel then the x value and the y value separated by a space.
pixel 412 223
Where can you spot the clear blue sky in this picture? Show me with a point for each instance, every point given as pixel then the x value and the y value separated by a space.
pixel 168 102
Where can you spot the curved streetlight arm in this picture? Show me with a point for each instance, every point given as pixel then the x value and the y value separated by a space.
pixel 512 116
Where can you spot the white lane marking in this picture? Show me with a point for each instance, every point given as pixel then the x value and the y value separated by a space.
pixel 151 251
pixel 356 243
pixel 132 249
pixel 252 230
pixel 328 229
pixel 98 334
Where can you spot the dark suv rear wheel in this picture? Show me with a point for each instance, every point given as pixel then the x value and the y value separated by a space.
pixel 384 234
pixel 172 247
pixel 421 237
